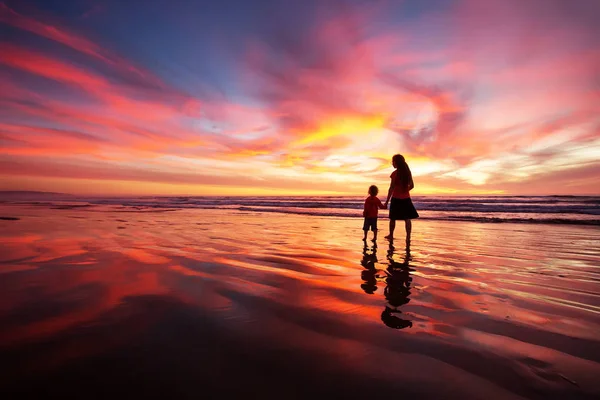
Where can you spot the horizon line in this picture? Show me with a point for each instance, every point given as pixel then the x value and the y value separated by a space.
pixel 24 192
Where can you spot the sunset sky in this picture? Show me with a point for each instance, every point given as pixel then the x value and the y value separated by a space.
pixel 299 97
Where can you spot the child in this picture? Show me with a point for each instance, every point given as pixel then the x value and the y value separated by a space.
pixel 372 206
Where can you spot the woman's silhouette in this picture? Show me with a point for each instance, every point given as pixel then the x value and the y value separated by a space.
pixel 401 207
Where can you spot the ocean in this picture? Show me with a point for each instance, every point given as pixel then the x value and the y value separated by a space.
pixel 580 210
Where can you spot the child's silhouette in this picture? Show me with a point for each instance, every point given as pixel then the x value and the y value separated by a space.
pixel 371 209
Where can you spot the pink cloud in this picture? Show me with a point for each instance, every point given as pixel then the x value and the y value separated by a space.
pixel 70 39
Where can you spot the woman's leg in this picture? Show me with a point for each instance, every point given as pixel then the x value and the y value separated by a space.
pixel 408 225
pixel 392 227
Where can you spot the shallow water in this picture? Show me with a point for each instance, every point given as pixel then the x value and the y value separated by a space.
pixel 572 210
pixel 216 302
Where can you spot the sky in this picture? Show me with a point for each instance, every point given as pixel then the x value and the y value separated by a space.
pixel 236 97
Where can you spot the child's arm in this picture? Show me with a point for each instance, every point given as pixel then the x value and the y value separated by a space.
pixel 365 210
pixel 381 205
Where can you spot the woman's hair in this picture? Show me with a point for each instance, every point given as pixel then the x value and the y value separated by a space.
pixel 373 190
pixel 404 176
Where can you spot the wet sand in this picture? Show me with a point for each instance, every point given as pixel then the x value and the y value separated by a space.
pixel 103 302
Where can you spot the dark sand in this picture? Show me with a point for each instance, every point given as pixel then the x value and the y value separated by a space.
pixel 207 303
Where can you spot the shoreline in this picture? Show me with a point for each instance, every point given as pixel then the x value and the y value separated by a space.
pixel 91 207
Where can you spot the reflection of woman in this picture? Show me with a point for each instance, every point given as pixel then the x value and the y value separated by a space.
pixel 401 207
pixel 397 291
pixel 391 321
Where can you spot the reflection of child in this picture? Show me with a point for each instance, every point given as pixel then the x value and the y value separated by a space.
pixel 369 274
pixel 372 206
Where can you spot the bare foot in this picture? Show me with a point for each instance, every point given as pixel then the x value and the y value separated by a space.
pixel 374 240
pixel 389 237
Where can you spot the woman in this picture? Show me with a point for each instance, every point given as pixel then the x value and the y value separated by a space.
pixel 402 206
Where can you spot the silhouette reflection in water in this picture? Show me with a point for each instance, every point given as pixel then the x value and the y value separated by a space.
pixel 397 290
pixel 370 274
pixel 397 281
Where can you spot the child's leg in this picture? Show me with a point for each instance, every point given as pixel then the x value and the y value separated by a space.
pixel 374 229
pixel 365 236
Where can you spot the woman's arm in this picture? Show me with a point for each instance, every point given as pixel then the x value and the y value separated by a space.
pixel 390 191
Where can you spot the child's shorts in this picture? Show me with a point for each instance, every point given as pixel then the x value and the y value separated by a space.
pixel 370 223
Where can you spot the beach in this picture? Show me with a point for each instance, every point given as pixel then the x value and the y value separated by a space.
pixel 103 300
